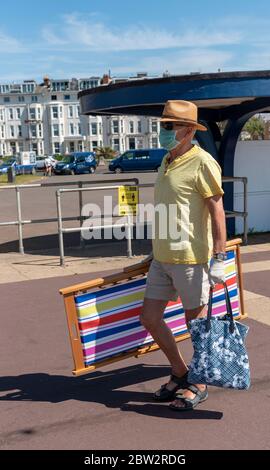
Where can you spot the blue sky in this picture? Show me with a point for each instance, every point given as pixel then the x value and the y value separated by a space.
pixel 82 38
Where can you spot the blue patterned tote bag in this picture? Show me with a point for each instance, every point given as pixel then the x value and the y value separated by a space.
pixel 220 357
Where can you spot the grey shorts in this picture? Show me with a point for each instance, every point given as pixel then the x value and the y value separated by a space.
pixel 166 281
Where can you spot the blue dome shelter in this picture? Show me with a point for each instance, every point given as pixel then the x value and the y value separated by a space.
pixel 229 97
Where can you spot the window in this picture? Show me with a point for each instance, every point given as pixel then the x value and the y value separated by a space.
pixel 79 129
pixel 55 130
pixel 39 114
pixel 61 112
pixel 100 128
pixel 131 127
pixel 19 131
pixel 6 99
pixel 32 112
pixel 72 147
pixel 62 129
pixel 13 148
pixel 33 129
pixel 128 156
pixel 142 155
pixel 71 128
pixel 66 97
pixel 139 127
pixel 20 146
pixel 132 144
pixel 94 128
pixel 78 111
pixel 122 126
pixel 54 97
pixel 10 113
pixel 94 145
pixel 40 130
pixel 56 147
pixel 34 99
pixel 21 99
pixel 154 142
pixel 2 129
pixel 116 144
pixel 70 111
pixel 154 126
pixel 55 114
pixel 115 127
pixel 1 114
pixel 19 114
pixel 35 147
pixel 139 143
pixel 12 133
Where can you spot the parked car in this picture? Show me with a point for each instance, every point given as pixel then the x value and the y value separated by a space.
pixel 135 160
pixel 5 166
pixel 76 163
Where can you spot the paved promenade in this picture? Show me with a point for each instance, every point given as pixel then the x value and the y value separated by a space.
pixel 44 407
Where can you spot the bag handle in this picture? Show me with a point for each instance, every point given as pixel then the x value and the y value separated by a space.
pixel 228 308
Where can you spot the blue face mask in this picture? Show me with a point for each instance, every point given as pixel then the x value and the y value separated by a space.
pixel 167 139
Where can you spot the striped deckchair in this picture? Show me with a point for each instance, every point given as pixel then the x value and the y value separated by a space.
pixel 103 314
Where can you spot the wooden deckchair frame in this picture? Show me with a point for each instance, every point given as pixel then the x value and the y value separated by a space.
pixel 129 273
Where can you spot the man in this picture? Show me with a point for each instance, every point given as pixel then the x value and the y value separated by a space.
pixel 48 166
pixel 189 180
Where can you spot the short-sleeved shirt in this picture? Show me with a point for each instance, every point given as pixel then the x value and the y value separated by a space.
pixel 184 234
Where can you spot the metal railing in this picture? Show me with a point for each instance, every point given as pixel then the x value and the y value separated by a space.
pixel 128 224
pixel 244 213
pixel 20 222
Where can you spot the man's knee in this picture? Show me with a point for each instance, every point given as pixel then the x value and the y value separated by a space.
pixel 148 321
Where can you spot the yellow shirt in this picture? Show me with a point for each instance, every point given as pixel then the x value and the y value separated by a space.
pixel 185 234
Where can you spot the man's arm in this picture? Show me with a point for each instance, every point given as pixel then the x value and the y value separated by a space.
pixel 218 219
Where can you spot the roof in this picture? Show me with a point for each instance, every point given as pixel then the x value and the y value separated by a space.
pixel 216 94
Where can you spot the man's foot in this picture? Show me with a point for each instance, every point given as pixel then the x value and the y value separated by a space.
pixel 190 398
pixel 168 390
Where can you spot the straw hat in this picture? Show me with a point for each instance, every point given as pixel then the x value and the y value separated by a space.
pixel 183 112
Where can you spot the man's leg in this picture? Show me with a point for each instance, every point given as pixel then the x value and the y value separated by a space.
pixel 152 319
pixel 198 312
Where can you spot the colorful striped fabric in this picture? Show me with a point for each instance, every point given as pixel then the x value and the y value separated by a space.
pixel 109 318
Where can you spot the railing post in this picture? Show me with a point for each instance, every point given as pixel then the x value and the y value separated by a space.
pixel 82 241
pixel 60 228
pixel 245 212
pixel 20 225
pixel 129 236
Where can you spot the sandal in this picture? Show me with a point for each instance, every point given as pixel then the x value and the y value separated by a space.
pixel 164 394
pixel 190 403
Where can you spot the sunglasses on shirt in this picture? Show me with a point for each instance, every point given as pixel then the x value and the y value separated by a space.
pixel 169 126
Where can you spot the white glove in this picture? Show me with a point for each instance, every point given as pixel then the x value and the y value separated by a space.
pixel 148 258
pixel 217 272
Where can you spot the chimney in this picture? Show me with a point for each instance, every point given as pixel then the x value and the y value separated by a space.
pixel 46 81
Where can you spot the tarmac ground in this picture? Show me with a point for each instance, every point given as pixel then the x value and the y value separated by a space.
pixel 44 407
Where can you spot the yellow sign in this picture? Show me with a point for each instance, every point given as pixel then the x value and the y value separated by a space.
pixel 128 198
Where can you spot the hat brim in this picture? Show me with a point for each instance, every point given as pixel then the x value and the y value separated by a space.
pixel 195 124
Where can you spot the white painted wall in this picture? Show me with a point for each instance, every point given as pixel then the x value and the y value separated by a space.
pixel 252 159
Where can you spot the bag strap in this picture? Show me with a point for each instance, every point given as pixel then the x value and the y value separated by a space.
pixel 228 308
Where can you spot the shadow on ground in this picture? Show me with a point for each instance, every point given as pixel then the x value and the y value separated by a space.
pixel 100 387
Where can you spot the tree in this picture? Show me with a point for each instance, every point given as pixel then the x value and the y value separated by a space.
pixel 255 127
pixel 105 152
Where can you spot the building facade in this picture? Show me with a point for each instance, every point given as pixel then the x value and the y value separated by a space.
pixel 46 118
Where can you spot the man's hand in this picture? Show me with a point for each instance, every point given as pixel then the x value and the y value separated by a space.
pixel 148 258
pixel 217 272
